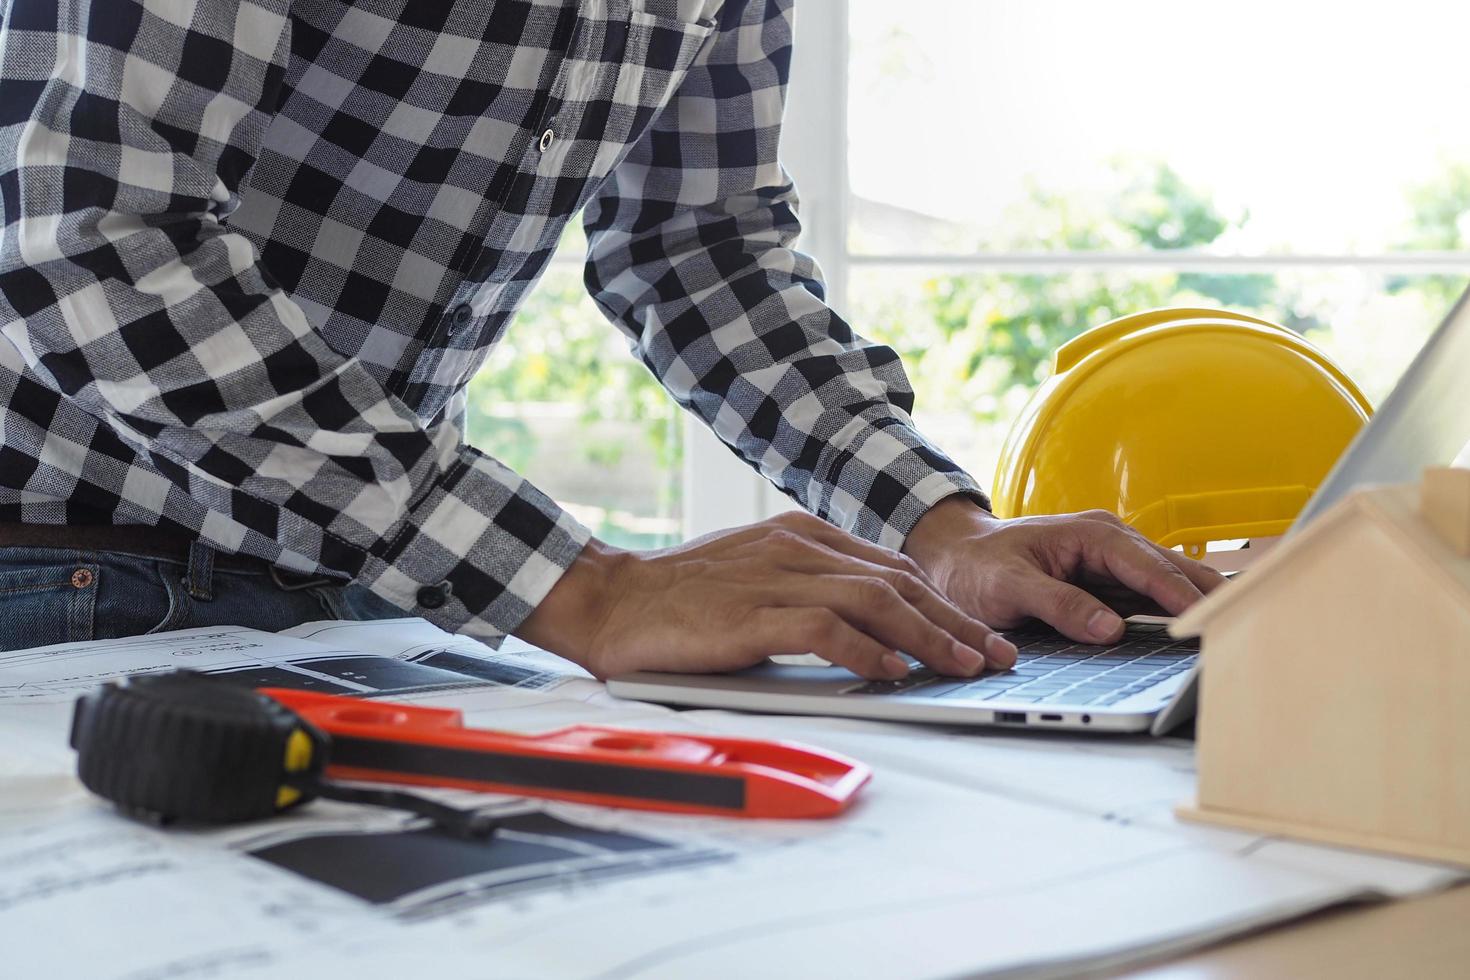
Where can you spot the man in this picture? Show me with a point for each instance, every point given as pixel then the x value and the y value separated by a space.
pixel 253 250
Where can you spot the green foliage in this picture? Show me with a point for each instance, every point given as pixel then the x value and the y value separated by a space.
pixel 1439 221
pixel 985 339
pixel 1161 211
pixel 1249 291
pixel 977 344
pixel 1440 210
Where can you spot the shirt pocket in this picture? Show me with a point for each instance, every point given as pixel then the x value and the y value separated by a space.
pixel 662 42
pixel 657 53
pixel 660 51
pixel 44 602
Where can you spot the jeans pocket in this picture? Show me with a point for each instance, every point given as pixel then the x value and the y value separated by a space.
pixel 47 601
pixel 139 596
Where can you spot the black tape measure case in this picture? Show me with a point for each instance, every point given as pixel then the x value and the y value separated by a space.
pixel 180 746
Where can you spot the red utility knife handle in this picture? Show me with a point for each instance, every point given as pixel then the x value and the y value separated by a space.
pixel 382 741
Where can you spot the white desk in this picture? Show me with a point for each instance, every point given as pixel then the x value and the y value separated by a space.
pixel 970 851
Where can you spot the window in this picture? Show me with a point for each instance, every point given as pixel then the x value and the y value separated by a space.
pixel 1014 174
pixel 983 181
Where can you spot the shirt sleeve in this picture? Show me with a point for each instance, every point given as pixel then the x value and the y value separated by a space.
pixel 690 253
pixel 125 130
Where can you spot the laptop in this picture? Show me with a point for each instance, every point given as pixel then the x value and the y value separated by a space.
pixel 1145 682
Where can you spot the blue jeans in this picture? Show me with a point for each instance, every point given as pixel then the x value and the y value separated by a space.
pixel 59 595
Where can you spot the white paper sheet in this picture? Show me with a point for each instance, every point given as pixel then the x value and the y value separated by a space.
pixel 396 657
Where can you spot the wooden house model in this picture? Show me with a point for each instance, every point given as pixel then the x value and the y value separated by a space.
pixel 1335 684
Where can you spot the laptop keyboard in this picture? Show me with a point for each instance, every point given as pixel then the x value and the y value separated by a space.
pixel 1053 670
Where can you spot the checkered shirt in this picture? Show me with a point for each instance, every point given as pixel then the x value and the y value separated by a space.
pixel 254 249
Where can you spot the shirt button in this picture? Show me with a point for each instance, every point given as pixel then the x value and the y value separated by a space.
pixel 434 596
pixel 546 140
pixel 462 314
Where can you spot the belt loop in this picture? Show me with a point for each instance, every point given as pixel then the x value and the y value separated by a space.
pixel 199 579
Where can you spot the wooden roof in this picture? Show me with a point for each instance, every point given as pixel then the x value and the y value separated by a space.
pixel 1394 508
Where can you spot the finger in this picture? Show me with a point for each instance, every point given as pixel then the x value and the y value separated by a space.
pixel 999 653
pixel 1071 611
pixel 823 632
pixel 1205 578
pixel 1119 598
pixel 1201 575
pixel 1133 561
pixel 874 606
pixel 917 592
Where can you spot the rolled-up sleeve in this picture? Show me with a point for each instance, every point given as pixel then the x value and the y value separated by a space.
pixel 690 252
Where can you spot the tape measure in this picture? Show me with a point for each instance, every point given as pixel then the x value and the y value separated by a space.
pixel 181 746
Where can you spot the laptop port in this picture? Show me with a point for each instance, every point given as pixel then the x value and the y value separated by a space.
pixel 1013 717
pixel 1051 717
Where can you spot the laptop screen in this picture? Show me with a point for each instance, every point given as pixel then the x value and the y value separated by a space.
pixel 1424 421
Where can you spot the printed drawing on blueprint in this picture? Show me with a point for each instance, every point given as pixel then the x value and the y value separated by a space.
pixel 416 871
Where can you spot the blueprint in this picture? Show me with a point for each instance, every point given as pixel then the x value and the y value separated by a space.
pixel 970 853
pixel 385 657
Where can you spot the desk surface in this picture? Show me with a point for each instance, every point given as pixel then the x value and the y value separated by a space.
pixel 1423 937
pixel 906 862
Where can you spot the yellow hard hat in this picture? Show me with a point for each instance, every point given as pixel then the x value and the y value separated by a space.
pixel 1193 425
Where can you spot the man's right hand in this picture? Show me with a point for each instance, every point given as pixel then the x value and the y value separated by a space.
pixel 791 584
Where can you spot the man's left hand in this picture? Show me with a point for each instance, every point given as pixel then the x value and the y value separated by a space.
pixel 1081 573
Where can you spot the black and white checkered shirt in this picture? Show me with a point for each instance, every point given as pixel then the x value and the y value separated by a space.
pixel 254 249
